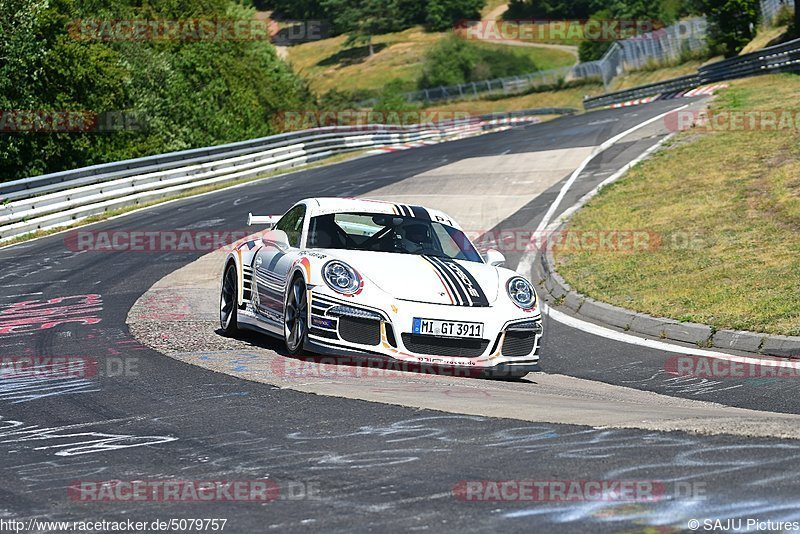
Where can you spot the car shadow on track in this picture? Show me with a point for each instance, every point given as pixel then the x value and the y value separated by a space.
pixel 371 365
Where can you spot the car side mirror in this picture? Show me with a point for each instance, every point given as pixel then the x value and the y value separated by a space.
pixel 276 239
pixel 494 258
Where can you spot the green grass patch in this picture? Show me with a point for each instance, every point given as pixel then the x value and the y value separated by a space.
pixel 328 64
pixel 726 207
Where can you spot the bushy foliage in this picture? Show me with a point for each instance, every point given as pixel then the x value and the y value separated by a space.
pixel 453 60
pixel 572 9
pixel 660 13
pixel 732 24
pixel 666 11
pixel 363 18
pixel 184 94
pixel 440 15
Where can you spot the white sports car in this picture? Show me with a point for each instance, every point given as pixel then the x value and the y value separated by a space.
pixel 347 276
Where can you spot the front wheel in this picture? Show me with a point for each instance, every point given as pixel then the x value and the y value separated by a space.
pixel 228 302
pixel 295 328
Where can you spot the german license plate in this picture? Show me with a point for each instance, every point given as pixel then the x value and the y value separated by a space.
pixel 433 327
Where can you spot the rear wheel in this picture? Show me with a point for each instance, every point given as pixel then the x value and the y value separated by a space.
pixel 295 318
pixel 228 302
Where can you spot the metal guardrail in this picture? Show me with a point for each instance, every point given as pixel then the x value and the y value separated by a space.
pixel 58 199
pixel 674 84
pixel 501 86
pixel 780 58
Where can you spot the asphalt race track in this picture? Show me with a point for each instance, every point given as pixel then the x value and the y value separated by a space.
pixel 344 464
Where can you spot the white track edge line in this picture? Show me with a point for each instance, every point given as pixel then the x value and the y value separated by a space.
pixel 597 151
pixel 602 331
pixel 608 333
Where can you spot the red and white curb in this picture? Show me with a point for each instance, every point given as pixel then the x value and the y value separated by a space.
pixel 636 102
pixel 698 91
pixel 707 90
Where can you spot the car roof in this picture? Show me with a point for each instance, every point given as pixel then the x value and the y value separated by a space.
pixel 326 206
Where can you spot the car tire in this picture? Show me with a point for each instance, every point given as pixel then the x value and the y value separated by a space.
pixel 229 302
pixel 295 316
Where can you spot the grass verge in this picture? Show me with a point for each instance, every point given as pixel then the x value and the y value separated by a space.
pixel 764 38
pixel 327 65
pixel 726 208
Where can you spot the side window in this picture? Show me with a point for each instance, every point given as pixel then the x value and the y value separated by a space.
pixel 292 224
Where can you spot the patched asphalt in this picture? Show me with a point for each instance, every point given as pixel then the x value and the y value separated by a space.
pixel 372 466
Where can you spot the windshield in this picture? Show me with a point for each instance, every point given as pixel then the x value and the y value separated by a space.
pixel 390 233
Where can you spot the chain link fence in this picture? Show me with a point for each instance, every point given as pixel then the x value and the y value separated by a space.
pixel 655 48
pixel 502 86
pixel 770 9
pixel 779 58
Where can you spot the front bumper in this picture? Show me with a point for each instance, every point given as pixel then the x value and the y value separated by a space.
pixel 341 326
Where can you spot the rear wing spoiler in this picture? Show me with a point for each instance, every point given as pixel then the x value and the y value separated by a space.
pixel 265 220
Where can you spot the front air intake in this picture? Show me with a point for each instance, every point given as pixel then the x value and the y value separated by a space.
pixel 360 330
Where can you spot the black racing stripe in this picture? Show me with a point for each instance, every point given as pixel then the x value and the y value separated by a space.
pixel 401 209
pixel 450 280
pixel 445 280
pixel 420 213
pixel 454 281
pixel 274 261
pixel 476 296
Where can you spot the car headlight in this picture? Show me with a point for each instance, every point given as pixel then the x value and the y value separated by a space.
pixel 341 277
pixel 521 292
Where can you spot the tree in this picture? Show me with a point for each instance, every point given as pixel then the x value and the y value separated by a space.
pixel 594 49
pixel 796 28
pixel 187 94
pixel 294 9
pixel 363 19
pixel 450 61
pixel 440 15
pixel 542 9
pixel 731 23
